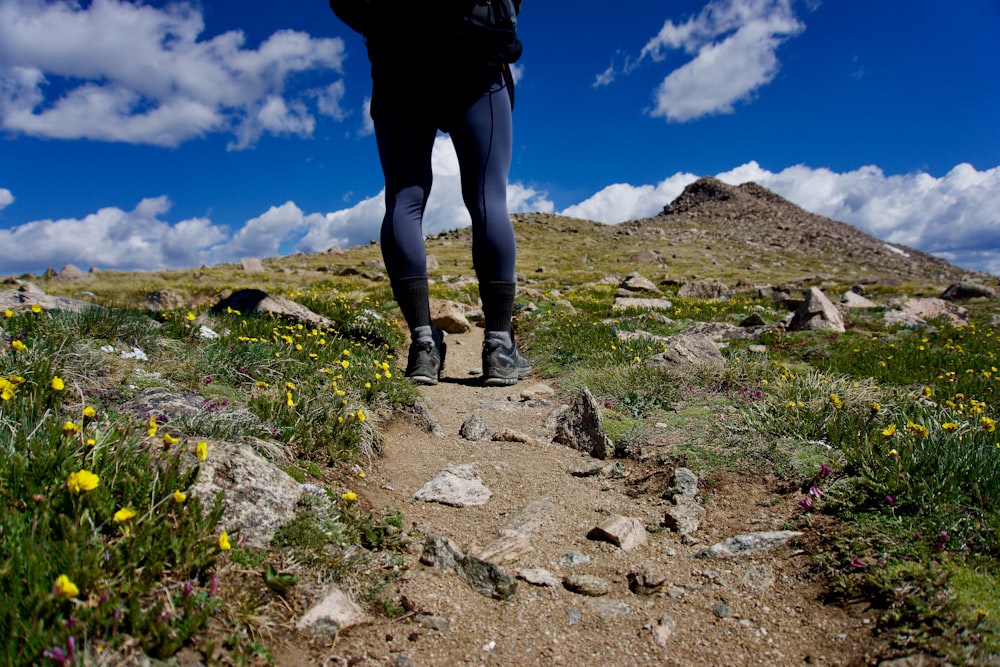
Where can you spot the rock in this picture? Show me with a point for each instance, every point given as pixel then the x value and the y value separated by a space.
pixel 608 608
pixel 587 584
pixel 515 536
pixel 70 273
pixel 684 516
pixel 449 316
pixel 752 320
pixel 644 580
pixel 258 496
pixel 251 265
pixel 758 577
pixel 574 558
pixel 510 435
pixel 335 612
pixel 432 263
pixel 636 282
pixel 689 350
pixel 748 543
pixel 573 616
pixel 164 299
pixel 484 577
pixel 259 301
pixel 638 303
pixel 623 532
pixel 722 610
pixel 536 392
pixel 702 289
pixel 586 469
pixel 29 294
pixel 475 428
pixel 683 483
pixel 457 486
pixel 852 299
pixel 917 312
pixel 663 630
pixel 538 577
pixel 817 313
pixel 581 428
pixel 431 622
pixel 966 290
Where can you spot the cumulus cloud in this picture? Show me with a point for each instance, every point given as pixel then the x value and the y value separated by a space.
pixel 144 238
pixel 6 198
pixel 732 46
pixel 129 72
pixel 955 216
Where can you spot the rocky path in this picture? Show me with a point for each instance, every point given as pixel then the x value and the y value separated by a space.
pixel 550 595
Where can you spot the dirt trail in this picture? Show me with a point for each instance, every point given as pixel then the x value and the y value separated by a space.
pixel 756 610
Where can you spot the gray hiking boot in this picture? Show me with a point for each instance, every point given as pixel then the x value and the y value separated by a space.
pixel 426 360
pixel 503 366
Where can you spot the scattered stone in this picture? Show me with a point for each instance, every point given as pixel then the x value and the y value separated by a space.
pixel 510 435
pixel 684 517
pixel 758 577
pixel 70 273
pixel 255 300
pixel 852 299
pixel 29 294
pixel 258 497
pixel 663 631
pixel 639 303
pixel 624 532
pixel 702 289
pixel 688 350
pixel 722 610
pixel 475 429
pixel 252 265
pixel 964 290
pixel 817 313
pixel 538 577
pixel 683 483
pixel 608 608
pixel 431 622
pixel 587 584
pixel 335 612
pixel 536 392
pixel 457 486
pixel 515 536
pixel 917 312
pixel 586 469
pixel 422 412
pixel 581 428
pixel 573 616
pixel 449 316
pixel 752 320
pixel 636 282
pixel 432 263
pixel 164 299
pixel 574 558
pixel 484 577
pixel 749 543
pixel 644 580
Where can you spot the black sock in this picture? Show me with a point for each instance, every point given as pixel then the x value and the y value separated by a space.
pixel 412 296
pixel 498 304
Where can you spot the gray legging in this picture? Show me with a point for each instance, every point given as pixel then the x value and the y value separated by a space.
pixel 483 137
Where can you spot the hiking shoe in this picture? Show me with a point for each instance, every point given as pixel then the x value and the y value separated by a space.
pixel 426 360
pixel 503 366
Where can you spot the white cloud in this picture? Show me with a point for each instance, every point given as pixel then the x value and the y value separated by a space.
pixel 129 72
pixel 733 44
pixel 955 216
pixel 6 198
pixel 143 238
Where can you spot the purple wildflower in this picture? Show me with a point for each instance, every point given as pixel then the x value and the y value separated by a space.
pixel 815 492
pixel 806 503
pixel 890 500
pixel 825 470
pixel 56 655
pixel 856 563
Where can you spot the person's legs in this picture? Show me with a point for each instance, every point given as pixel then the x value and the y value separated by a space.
pixel 405 153
pixel 483 139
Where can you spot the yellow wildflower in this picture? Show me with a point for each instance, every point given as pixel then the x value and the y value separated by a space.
pixel 345 363
pixel 19 346
pixel 927 392
pixel 349 496
pixel 36 308
pixel 876 407
pixel 70 429
pixel 81 481
pixel 289 400
pixel 64 588
pixel 169 440
pixel 8 313
pixel 949 427
pixel 917 429
pixel 835 400
pixel 988 425
pixel 151 426
pixel 125 514
pixel 889 430
pixel 179 497
pixel 224 541
pixel 201 450
pixel 893 453
pixel 91 442
pixel 361 415
pixel 89 412
pixel 57 384
pixel 190 316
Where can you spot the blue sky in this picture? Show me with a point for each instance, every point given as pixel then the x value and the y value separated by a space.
pixel 171 134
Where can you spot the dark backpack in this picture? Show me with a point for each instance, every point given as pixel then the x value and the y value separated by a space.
pixel 482 30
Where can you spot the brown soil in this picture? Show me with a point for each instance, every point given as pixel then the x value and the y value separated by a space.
pixel 777 614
